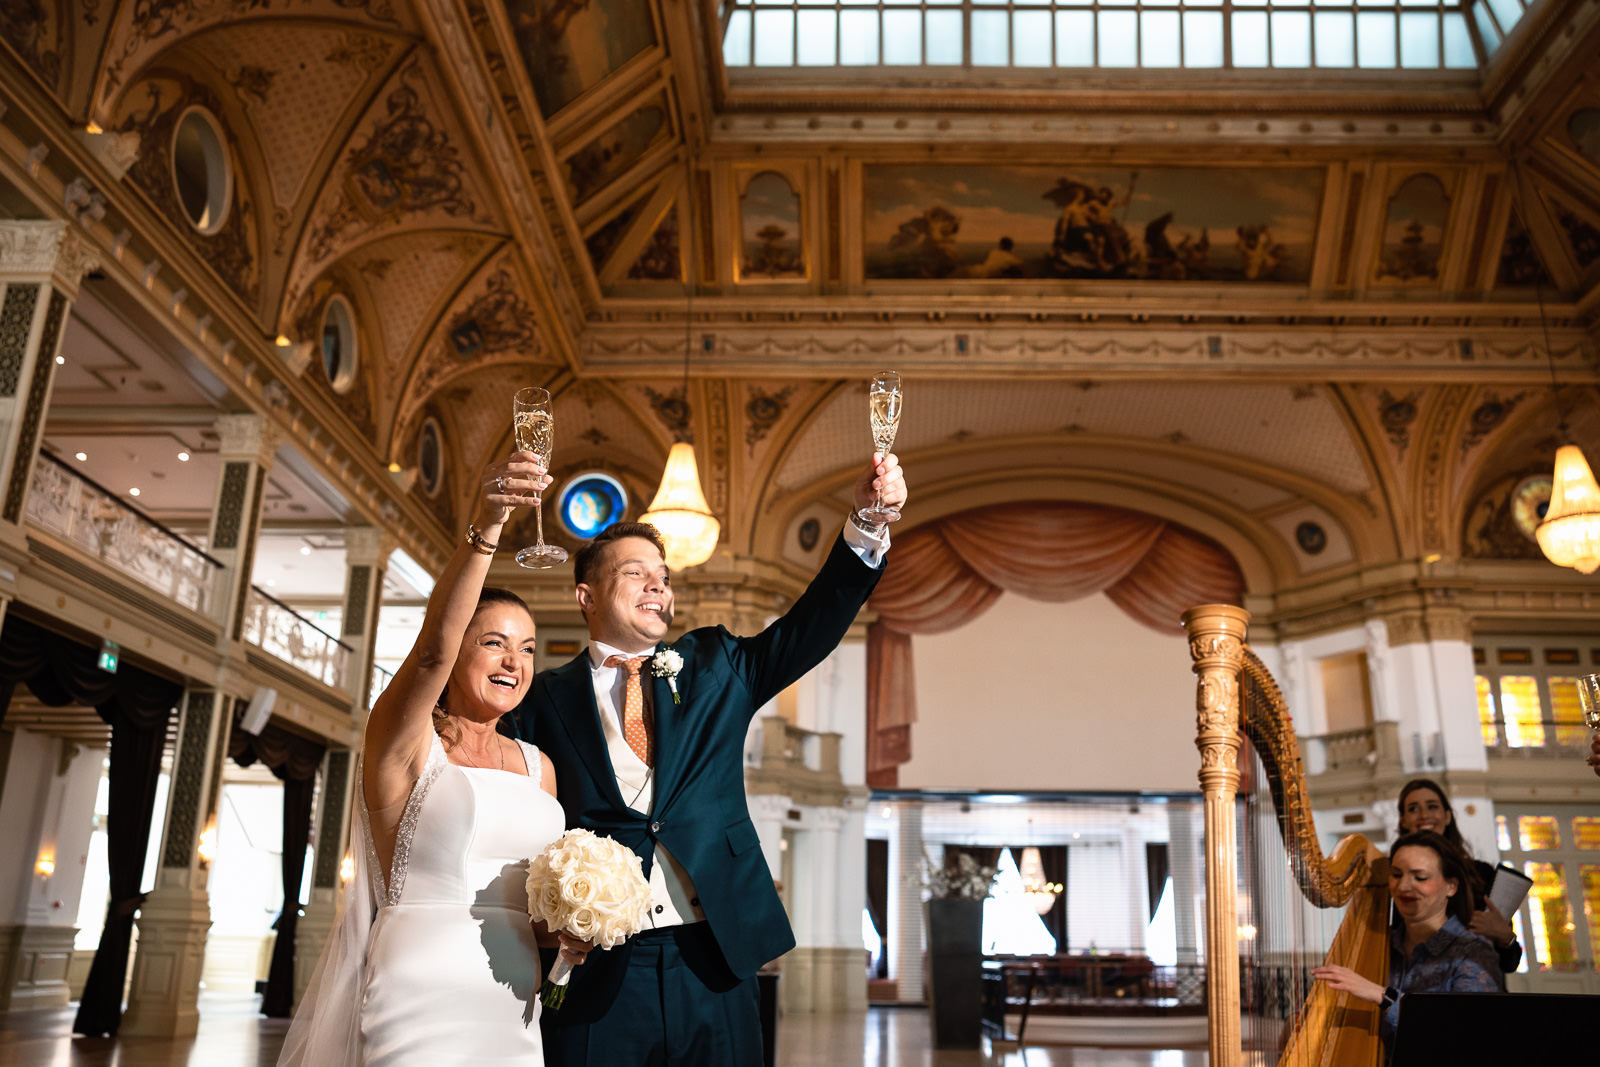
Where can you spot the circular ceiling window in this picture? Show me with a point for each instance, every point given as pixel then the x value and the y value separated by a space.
pixel 591 502
pixel 339 345
pixel 430 457
pixel 200 170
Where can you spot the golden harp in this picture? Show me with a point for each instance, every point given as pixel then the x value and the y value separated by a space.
pixel 1240 709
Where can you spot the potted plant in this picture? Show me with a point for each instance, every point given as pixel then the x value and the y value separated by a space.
pixel 954 909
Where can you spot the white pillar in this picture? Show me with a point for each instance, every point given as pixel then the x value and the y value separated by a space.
pixel 905 904
pixel 47 814
pixel 1183 856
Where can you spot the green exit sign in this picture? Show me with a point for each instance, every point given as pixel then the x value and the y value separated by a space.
pixel 108 656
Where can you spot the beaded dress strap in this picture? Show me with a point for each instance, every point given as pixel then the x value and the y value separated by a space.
pixel 388 891
pixel 530 755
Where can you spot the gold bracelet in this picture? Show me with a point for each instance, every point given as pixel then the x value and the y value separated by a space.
pixel 479 543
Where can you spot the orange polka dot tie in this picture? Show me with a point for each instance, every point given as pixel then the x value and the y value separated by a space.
pixel 634 730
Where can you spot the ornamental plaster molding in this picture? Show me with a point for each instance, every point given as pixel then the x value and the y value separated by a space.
pixel 46 250
pixel 765 125
pixel 626 348
pixel 455 39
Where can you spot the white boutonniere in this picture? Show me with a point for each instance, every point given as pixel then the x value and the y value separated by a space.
pixel 666 664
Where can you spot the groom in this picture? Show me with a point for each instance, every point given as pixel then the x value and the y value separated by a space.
pixel 648 749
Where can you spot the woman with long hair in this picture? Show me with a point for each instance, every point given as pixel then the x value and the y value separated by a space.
pixel 434 960
pixel 1424 806
pixel 1430 949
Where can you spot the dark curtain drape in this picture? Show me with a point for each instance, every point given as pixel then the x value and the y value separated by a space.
pixel 878 898
pixel 294 761
pixel 1155 872
pixel 137 705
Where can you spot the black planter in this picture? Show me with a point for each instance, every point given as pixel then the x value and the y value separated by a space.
pixel 955 971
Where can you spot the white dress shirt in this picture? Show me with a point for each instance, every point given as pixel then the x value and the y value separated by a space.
pixel 673 900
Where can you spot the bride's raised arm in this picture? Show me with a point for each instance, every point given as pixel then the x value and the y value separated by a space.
pixel 400 728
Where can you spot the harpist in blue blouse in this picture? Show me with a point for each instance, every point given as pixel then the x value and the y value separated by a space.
pixel 1430 950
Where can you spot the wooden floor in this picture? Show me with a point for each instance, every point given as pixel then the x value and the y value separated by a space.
pixel 233 1035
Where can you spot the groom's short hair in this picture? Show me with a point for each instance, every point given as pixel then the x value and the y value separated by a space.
pixel 583 564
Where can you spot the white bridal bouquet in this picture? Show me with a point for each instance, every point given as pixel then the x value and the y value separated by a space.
pixel 590 887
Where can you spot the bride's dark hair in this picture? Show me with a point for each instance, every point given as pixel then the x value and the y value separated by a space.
pixel 449 733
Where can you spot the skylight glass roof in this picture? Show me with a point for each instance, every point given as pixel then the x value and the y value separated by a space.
pixel 1148 34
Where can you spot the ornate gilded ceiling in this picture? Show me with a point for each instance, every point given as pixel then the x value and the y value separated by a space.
pixel 1248 305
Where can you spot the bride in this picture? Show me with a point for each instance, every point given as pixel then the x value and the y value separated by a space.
pixel 434 961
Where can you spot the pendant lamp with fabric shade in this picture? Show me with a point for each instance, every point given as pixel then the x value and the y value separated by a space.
pixel 681 513
pixel 1569 536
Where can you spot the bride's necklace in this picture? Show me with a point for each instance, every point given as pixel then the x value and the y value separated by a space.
pixel 475 764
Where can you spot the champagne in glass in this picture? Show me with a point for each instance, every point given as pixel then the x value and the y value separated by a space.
pixel 884 400
pixel 1589 698
pixel 535 426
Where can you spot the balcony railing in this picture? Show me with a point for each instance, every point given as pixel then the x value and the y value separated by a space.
pixel 1368 750
pixel 92 517
pixel 279 630
pixel 379 682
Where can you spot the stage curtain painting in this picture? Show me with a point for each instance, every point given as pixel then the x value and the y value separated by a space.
pixel 945 574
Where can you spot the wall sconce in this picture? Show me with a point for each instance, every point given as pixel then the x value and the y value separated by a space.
pixel 207 847
pixel 45 865
pixel 347 869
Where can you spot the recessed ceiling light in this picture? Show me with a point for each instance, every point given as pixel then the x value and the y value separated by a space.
pixel 81 456
pixel 394 468
pixel 183 457
pixel 305 550
pixel 134 491
pixel 282 341
pixel 60 360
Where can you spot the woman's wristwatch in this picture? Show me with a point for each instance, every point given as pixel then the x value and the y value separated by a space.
pixel 1390 995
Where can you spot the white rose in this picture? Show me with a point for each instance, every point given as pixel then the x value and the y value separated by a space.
pixel 583 924
pixel 579 887
pixel 549 903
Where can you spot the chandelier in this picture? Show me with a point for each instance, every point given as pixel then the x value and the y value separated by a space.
pixel 679 509
pixel 1569 536
pixel 681 513
pixel 1040 891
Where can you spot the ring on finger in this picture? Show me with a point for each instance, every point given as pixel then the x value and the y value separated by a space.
pixel 500 484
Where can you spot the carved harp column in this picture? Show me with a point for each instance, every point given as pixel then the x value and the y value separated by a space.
pixel 1216 644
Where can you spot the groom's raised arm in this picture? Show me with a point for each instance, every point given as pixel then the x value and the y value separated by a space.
pixel 812 628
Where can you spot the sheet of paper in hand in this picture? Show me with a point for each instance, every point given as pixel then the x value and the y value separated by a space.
pixel 1509 889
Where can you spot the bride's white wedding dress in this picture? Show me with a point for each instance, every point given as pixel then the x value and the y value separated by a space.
pixel 436 963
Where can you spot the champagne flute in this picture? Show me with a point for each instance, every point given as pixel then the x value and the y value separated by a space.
pixel 535 427
pixel 1589 699
pixel 883 399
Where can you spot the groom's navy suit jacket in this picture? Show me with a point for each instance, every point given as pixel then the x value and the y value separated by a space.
pixel 699 811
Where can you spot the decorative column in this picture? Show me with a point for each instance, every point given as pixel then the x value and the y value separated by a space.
pixel 905 904
pixel 1216 644
pixel 813 975
pixel 248 444
pixel 175 916
pixel 850 987
pixel 333 820
pixel 41 266
pixel 366 555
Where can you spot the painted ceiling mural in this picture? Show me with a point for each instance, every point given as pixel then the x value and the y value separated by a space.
pixel 457 216
pixel 1166 224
